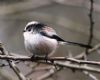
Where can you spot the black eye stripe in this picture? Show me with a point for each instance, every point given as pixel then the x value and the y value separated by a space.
pixel 29 27
pixel 35 26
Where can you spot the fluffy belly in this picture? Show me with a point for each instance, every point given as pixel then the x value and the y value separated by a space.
pixel 41 45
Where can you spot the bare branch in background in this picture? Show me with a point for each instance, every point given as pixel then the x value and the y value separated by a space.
pixel 58 61
pixel 90 38
pixel 91 24
pixel 90 75
pixel 12 64
pixel 95 48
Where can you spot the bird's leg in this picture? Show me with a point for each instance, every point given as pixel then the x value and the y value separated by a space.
pixel 33 57
pixel 46 57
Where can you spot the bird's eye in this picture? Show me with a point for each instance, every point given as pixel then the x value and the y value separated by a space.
pixel 29 28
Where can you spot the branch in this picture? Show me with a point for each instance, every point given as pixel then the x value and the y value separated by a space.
pixel 52 59
pixel 91 24
pixel 51 72
pixel 56 61
pixel 91 21
pixel 90 75
pixel 90 51
pixel 12 64
pixel 73 66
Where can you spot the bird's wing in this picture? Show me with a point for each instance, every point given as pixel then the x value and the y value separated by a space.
pixel 49 31
pixel 52 34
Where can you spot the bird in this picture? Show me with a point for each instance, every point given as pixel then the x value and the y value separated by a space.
pixel 42 40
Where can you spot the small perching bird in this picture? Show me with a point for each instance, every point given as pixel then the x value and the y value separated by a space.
pixel 40 39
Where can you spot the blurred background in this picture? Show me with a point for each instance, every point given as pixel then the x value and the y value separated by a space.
pixel 68 17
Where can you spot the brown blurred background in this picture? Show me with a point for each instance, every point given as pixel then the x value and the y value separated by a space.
pixel 68 17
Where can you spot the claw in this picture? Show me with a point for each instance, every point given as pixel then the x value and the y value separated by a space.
pixel 46 58
pixel 33 57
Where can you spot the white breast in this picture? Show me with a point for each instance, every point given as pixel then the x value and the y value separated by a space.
pixel 38 44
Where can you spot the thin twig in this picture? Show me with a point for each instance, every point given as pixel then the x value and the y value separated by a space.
pixel 90 75
pixel 90 51
pixel 52 59
pixel 56 61
pixel 12 64
pixel 73 66
pixel 51 71
pixel 91 24
pixel 91 21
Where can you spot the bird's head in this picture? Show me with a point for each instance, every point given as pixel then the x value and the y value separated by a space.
pixel 34 26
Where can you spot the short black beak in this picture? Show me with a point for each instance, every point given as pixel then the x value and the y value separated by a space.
pixel 24 31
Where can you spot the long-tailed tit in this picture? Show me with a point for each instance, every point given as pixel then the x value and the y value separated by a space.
pixel 40 39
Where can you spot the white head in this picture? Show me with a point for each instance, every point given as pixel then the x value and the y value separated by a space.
pixel 30 23
pixel 34 26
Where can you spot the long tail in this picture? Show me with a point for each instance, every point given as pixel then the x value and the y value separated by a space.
pixel 78 44
pixel 70 42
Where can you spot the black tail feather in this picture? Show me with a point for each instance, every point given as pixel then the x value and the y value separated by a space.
pixel 78 44
pixel 68 42
pixel 71 43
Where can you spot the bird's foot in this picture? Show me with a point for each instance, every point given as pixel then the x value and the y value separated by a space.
pixel 33 58
pixel 46 58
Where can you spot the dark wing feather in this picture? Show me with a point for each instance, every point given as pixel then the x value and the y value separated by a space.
pixel 60 39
